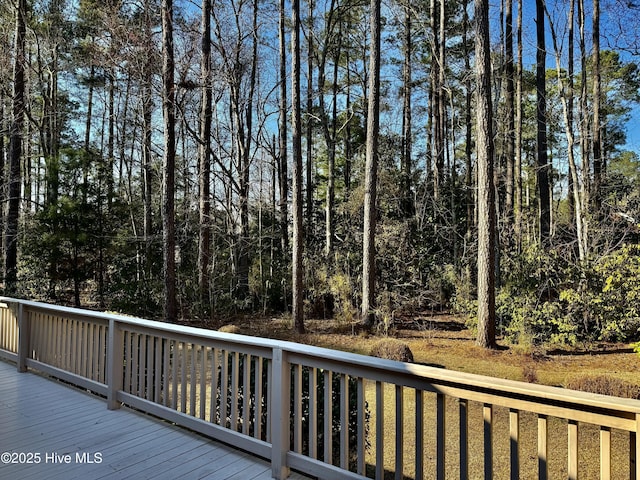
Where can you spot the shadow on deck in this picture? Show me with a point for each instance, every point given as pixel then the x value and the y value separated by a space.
pixel 50 430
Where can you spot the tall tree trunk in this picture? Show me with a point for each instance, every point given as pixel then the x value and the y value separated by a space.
pixel 566 98
pixel 517 168
pixel 328 124
pixel 442 101
pixel 542 164
pixel 509 113
pixel 168 164
pixel 348 145
pixel 438 109
pixel 486 200
pixel 147 159
pixel 3 178
pixel 596 135
pixel 468 124
pixel 407 206
pixel 584 116
pixel 15 149
pixel 330 128
pixel 297 266
pixel 87 133
pixel 309 124
pixel 571 186
pixel 111 141
pixel 204 154
pixel 282 128
pixel 371 171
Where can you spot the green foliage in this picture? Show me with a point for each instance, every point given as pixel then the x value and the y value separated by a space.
pixel 619 298
pixel 545 299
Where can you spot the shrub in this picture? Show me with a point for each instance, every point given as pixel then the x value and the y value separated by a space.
pixel 604 385
pixel 620 295
pixel 392 349
pixel 230 329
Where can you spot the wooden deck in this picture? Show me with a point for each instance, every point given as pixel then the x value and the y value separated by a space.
pixel 64 424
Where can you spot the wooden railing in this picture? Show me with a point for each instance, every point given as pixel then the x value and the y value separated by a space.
pixel 327 413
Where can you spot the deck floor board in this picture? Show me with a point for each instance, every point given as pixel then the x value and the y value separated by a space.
pixel 43 416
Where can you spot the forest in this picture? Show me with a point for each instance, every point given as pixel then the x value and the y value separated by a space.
pixel 360 161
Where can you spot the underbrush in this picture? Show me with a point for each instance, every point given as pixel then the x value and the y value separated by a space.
pixel 546 300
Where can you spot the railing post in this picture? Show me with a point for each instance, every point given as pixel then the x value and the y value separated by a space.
pixel 114 364
pixel 24 335
pixel 280 404
pixel 634 451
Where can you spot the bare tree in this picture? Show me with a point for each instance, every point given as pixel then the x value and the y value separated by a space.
pixel 309 123
pixel 517 168
pixel 407 142
pixel 486 205
pixel 542 162
pixel 282 128
pixel 509 110
pixel 296 130
pixel 15 149
pixel 566 98
pixel 596 134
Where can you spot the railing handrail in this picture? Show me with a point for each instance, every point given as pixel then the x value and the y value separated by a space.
pixel 445 377
pixel 606 411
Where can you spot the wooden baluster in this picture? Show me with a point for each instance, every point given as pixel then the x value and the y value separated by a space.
pixel 246 396
pixel 328 417
pixel 85 350
pixel 101 353
pixel 166 366
pixel 463 411
pixel 235 366
pixel 224 385
pixel 213 406
pixel 313 412
pixel 297 408
pixel 344 421
pixel 25 331
pixel 135 369
pixel 634 452
pixel 361 433
pixel 543 463
pixel 142 366
pixel 65 344
pixel 57 340
pixel 440 436
pixel 149 367
pixel 175 360
pixel 269 397
pixel 257 414
pixel 203 381
pixel 379 430
pixel 193 380
pixel 487 415
pixel 399 467
pixel 605 454
pixel 572 449
pixel 47 340
pixel 183 376
pixel 158 369
pixel 514 443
